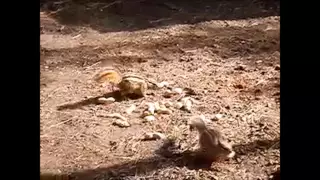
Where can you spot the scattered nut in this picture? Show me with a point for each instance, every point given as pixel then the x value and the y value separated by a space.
pixel 149 118
pixel 151 108
pixel 121 123
pixel 104 100
pixel 153 136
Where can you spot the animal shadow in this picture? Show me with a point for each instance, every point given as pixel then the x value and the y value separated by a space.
pixel 94 100
pixel 190 159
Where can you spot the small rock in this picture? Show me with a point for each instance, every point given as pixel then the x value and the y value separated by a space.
pixel 217 117
pixel 121 123
pixel 178 105
pixel 163 84
pixel 259 61
pixel 177 90
pixel 277 68
pixel 131 109
pixel 153 136
pixel 104 100
pixel 149 118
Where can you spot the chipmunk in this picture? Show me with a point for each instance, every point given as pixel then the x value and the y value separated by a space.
pixel 128 83
pixel 212 144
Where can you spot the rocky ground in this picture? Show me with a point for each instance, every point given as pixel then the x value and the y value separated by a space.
pixel 227 53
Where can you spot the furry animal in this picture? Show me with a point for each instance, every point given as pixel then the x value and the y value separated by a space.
pixel 128 84
pixel 110 75
pixel 212 145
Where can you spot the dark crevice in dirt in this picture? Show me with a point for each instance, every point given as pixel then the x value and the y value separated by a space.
pixel 125 15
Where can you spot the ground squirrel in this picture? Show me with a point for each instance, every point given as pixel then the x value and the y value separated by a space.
pixel 212 144
pixel 128 84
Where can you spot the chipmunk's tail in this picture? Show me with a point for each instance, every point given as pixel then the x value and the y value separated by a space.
pixel 198 123
pixel 108 75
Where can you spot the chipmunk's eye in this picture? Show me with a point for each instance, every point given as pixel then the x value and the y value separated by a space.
pixel 191 128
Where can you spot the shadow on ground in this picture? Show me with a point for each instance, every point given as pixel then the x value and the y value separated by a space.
pixel 165 157
pixel 89 101
pixel 131 15
pixel 95 100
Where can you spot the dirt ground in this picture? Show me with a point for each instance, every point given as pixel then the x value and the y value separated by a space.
pixel 227 52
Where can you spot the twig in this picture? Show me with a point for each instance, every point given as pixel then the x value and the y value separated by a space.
pixel 274 145
pixel 110 4
pixel 88 67
pixel 55 125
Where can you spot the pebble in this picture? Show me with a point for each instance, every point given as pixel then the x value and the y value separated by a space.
pixel 163 84
pixel 217 117
pixel 177 90
pixel 178 105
